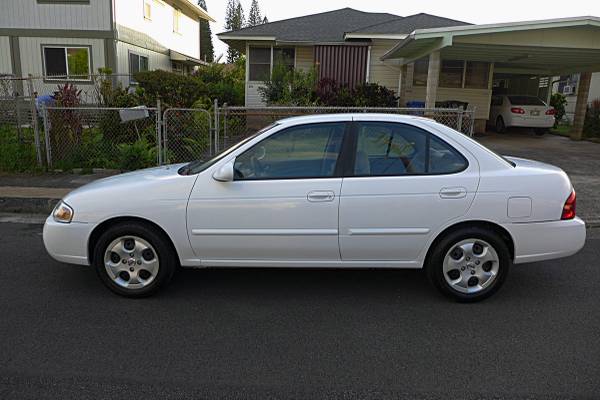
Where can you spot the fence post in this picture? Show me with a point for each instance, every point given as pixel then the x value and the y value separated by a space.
pixel 460 120
pixel 216 110
pixel 472 124
pixel 225 138
pixel 15 94
pixel 34 121
pixel 159 137
pixel 47 136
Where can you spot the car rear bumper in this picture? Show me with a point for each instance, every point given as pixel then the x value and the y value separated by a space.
pixel 67 242
pixel 547 240
pixel 531 122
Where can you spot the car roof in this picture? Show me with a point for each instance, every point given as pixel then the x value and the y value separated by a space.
pixel 351 117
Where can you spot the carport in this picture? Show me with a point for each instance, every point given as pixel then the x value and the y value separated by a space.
pixel 534 49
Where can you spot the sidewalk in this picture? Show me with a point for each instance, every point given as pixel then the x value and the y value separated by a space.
pixel 38 194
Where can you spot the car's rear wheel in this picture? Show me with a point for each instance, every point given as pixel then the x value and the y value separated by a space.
pixel 469 264
pixel 500 126
pixel 540 131
pixel 133 260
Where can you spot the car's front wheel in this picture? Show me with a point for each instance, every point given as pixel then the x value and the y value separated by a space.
pixel 469 264
pixel 133 260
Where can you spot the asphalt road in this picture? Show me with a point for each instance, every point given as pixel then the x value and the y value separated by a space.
pixel 294 333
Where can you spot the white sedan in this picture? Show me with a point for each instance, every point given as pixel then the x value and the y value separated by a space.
pixel 521 111
pixel 326 191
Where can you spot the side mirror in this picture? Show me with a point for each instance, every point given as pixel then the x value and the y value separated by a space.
pixel 225 173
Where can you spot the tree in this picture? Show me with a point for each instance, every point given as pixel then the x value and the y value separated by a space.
pixel 254 17
pixel 265 20
pixel 207 51
pixel 234 20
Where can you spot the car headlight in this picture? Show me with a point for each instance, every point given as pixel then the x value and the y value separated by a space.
pixel 62 213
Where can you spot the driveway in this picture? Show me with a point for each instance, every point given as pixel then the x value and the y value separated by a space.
pixel 581 160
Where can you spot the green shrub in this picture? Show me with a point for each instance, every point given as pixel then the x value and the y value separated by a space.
pixel 225 82
pixel 16 155
pixel 138 155
pixel 374 95
pixel 290 87
pixel 174 90
pixel 591 126
pixel 558 101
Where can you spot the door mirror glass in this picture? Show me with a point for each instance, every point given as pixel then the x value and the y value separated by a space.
pixel 225 173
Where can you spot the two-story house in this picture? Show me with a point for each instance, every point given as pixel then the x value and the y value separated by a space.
pixel 67 40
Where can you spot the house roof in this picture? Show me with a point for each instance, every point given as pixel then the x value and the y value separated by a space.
pixel 195 9
pixel 324 27
pixel 408 24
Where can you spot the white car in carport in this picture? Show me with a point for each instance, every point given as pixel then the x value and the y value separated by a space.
pixel 326 191
pixel 521 111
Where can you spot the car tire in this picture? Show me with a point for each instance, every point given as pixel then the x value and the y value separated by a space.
pixel 476 274
pixel 500 126
pixel 540 131
pixel 134 269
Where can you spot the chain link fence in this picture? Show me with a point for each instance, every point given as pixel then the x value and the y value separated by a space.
pixel 91 137
pixel 187 135
pixel 237 123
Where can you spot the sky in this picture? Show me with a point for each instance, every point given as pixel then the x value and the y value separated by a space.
pixel 477 12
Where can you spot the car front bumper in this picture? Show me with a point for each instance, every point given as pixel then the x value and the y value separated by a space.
pixel 67 242
pixel 547 240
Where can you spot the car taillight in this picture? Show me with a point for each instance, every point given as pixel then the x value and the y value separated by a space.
pixel 568 211
pixel 551 111
pixel 517 110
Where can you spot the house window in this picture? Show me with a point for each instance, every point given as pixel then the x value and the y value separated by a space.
pixel 147 10
pixel 284 56
pixel 137 63
pixel 451 73
pixel 176 20
pixel 420 70
pixel 259 63
pixel 71 63
pixel 477 75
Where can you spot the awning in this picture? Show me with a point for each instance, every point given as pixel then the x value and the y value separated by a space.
pixel 552 47
pixel 182 58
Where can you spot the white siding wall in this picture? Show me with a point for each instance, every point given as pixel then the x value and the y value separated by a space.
pixel 155 60
pixel 31 56
pixel 130 14
pixel 384 73
pixel 5 60
pixel 29 14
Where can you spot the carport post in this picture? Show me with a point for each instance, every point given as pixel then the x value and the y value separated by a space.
pixel 433 78
pixel 402 82
pixel 583 93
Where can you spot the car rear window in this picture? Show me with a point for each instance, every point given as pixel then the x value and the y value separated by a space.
pixel 525 101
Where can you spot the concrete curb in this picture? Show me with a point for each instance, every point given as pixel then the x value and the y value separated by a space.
pixel 28 205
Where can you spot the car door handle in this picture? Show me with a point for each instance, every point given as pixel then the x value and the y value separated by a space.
pixel 320 195
pixel 453 193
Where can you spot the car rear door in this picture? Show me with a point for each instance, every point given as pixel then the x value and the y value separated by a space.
pixel 404 184
pixel 281 206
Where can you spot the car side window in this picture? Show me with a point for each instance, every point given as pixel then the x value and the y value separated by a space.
pixel 304 151
pixel 443 159
pixel 389 149
pixel 393 149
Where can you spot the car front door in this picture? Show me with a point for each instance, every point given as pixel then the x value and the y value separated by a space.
pixel 405 183
pixel 281 206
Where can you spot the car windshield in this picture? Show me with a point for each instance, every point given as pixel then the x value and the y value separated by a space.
pixel 525 101
pixel 197 166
